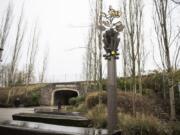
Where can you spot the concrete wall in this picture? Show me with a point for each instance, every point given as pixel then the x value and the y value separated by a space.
pixel 47 93
pixel 45 97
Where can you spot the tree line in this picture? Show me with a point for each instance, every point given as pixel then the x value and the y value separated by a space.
pixel 19 40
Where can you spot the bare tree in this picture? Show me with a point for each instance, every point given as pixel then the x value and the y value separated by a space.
pixel 139 40
pixel 88 58
pixel 31 55
pixel 176 1
pixel 16 48
pixel 94 46
pixel 44 67
pixel 163 30
pixel 32 52
pixel 4 75
pixel 133 11
pixel 5 26
pixel 100 6
pixel 126 61
pixel 130 20
pixel 88 69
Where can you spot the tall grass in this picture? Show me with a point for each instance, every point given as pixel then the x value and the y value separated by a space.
pixel 98 115
pixel 141 124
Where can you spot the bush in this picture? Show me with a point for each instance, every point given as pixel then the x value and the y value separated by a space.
pixel 146 125
pixel 143 104
pixel 140 125
pixel 98 115
pixel 72 101
pixel 76 100
pixel 125 83
pixel 80 108
pixel 32 99
pixel 93 99
pixel 35 98
pixel 80 99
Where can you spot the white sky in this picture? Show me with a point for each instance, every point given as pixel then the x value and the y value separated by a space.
pixel 64 25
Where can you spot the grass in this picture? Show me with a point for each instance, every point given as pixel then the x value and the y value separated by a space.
pixel 98 115
pixel 142 124
pixel 124 101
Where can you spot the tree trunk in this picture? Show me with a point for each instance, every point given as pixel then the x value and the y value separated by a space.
pixel 172 100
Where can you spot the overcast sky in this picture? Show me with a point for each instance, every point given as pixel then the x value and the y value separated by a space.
pixel 64 26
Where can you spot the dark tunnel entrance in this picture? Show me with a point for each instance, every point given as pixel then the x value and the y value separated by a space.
pixel 63 96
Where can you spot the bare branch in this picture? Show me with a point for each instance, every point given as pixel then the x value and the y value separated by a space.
pixel 176 1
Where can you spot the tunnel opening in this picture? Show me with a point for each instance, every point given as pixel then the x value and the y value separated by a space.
pixel 64 96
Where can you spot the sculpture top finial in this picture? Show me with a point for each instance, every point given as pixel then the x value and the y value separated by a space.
pixel 110 20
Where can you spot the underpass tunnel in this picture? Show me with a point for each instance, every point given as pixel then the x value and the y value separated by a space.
pixel 63 96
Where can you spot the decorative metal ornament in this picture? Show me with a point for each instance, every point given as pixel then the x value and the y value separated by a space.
pixel 119 28
pixel 110 37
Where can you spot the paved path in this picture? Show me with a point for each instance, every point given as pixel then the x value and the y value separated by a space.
pixel 6 113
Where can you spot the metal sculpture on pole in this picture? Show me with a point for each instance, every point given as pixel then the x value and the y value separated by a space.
pixel 112 27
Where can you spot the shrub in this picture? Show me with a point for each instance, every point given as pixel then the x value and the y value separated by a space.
pixel 76 100
pixel 143 104
pixel 72 101
pixel 140 125
pixel 125 83
pixel 80 108
pixel 32 99
pixel 98 115
pixel 93 99
pixel 35 98
pixel 80 99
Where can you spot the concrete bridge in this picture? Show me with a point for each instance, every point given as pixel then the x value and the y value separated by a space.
pixel 55 92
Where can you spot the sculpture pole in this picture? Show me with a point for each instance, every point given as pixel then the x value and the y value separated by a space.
pixel 112 95
pixel 111 42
